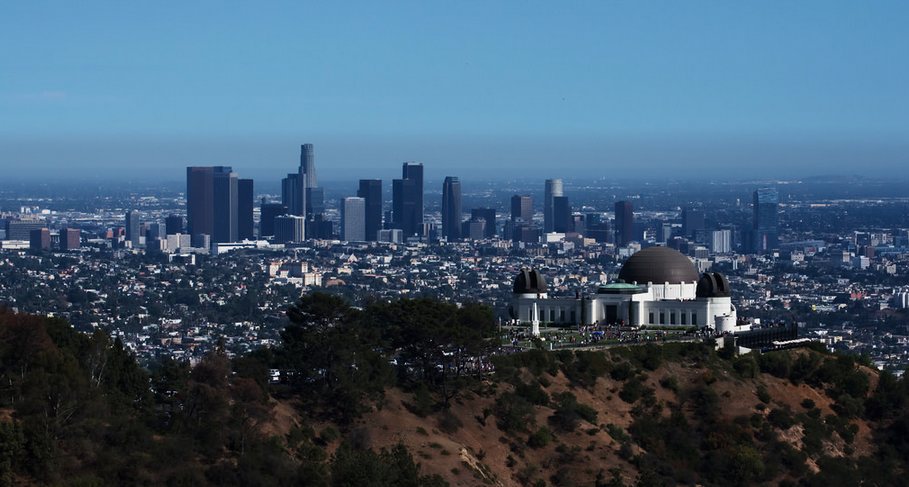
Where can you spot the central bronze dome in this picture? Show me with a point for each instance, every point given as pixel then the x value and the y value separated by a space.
pixel 658 265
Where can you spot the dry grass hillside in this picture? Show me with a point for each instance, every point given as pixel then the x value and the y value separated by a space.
pixel 606 418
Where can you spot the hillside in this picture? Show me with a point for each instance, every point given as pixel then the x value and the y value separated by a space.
pixel 77 410
pixel 693 418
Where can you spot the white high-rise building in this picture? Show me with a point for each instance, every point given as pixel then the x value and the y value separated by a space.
pixel 353 219
pixel 178 241
pixel 721 241
pixel 552 190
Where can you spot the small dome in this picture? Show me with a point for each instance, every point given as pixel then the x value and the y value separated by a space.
pixel 713 285
pixel 529 281
pixel 658 265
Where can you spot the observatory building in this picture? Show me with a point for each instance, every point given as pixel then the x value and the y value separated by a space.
pixel 656 287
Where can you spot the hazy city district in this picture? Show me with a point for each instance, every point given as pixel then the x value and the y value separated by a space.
pixel 174 270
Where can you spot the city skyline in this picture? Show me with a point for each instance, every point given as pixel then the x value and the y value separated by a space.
pixel 653 243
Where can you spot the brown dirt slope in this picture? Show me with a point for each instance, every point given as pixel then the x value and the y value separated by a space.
pixel 478 452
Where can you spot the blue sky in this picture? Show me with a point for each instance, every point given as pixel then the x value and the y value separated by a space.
pixel 470 88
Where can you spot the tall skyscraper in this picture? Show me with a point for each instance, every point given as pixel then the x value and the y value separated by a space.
pixel 267 214
pixel 199 200
pixel 624 223
pixel 245 203
pixel 212 202
pixel 521 208
pixel 173 224
pixel 401 205
pixel 292 191
pixel 371 192
pixel 765 228
pixel 553 189
pixel 407 200
pixel 308 165
pixel 315 201
pixel 451 208
pixel 311 192
pixel 561 215
pixel 353 219
pixel 692 222
pixel 132 228
pixel 225 205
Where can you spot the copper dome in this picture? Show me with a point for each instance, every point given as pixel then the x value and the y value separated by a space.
pixel 658 265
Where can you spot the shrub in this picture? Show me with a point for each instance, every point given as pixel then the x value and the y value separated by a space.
pixel 540 438
pixel 536 361
pixel 569 412
pixel 706 403
pixel 671 383
pixel 617 433
pixel 775 363
pixel 781 418
pixel 586 412
pixel 745 366
pixel 650 356
pixel 585 368
pixel 808 404
pixel 514 413
pixel 621 371
pixel 631 391
pixel 848 406
pixel 533 393
pixel 329 434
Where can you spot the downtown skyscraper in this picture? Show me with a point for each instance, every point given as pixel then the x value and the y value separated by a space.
pixel 353 219
pixel 561 215
pixel 312 192
pixel 624 223
pixel 132 228
pixel 765 224
pixel 292 194
pixel 407 200
pixel 521 208
pixel 296 188
pixel 245 206
pixel 302 195
pixel 212 202
pixel 226 211
pixel 552 190
pixel 692 222
pixel 451 208
pixel 371 192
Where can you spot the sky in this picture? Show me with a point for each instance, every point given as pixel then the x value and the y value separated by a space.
pixel 476 89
